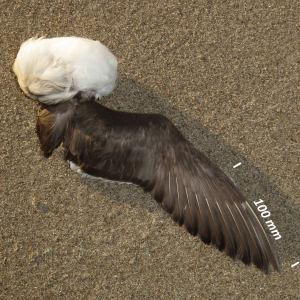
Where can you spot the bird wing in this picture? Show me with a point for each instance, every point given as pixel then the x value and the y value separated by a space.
pixel 200 196
pixel 189 186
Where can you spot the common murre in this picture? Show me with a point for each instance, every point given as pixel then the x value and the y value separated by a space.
pixel 149 151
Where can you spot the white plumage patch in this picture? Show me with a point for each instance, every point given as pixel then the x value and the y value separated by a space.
pixel 55 70
pixel 77 169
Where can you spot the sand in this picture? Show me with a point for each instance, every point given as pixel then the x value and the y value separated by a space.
pixel 227 74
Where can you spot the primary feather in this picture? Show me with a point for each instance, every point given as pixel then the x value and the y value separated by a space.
pixel 148 150
pixel 55 70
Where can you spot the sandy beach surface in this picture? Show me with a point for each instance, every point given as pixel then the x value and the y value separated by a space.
pixel 227 74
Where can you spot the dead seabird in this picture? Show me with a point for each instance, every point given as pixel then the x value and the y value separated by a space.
pixel 149 151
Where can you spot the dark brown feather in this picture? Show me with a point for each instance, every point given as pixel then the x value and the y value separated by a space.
pixel 149 151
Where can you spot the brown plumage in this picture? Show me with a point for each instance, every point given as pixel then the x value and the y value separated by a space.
pixel 148 150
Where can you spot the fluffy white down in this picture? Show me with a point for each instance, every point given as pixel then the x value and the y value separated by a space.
pixel 55 70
